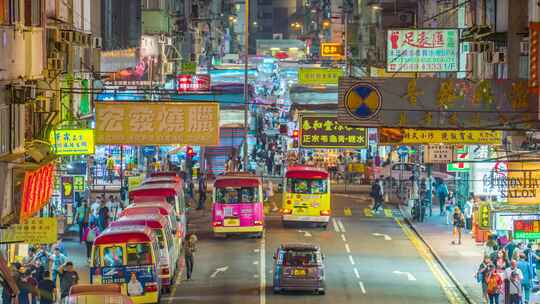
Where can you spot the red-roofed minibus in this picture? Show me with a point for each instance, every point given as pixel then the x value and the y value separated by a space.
pixel 168 249
pixel 128 255
pixel 306 195
pixel 238 205
pixel 171 193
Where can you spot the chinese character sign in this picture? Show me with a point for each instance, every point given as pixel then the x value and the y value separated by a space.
pixel 332 50
pixel 527 229
pixel 67 189
pixel 319 76
pixel 157 123
pixel 484 216
pixel 422 50
pixel 37 190
pixel 324 131
pixel 72 142
pixel 78 183
pixel 438 154
pixel 34 230
pixel 420 136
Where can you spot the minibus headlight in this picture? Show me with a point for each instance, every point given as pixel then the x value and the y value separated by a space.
pixel 257 222
pixel 165 271
pixel 286 211
pixel 216 223
pixel 325 212
pixel 151 287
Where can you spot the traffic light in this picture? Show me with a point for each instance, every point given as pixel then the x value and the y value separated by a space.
pixel 189 152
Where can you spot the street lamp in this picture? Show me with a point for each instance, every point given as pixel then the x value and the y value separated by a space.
pixel 326 24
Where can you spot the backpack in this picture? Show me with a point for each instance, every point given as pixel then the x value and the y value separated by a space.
pixel 492 284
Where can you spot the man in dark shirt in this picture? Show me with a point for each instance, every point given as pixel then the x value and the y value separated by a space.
pixel 68 278
pixel 46 289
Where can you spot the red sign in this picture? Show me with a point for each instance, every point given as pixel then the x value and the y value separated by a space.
pixel 193 83
pixel 37 190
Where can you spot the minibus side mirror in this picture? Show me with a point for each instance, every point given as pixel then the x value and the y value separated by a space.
pixel 274 256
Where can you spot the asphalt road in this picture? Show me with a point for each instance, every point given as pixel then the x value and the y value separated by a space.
pixel 369 258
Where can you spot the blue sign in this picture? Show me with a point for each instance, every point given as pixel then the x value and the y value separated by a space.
pixel 363 101
pixel 149 151
pixel 402 151
pixel 136 277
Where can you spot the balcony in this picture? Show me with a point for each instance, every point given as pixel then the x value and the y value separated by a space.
pixel 22 52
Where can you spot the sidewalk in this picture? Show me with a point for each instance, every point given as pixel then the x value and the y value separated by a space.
pixel 461 261
pixel 76 253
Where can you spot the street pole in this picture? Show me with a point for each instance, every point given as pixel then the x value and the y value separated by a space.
pixel 246 93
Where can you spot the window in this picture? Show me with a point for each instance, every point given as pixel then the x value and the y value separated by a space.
pixel 161 240
pixel 232 195
pixel 153 4
pixel 9 11
pixel 4 129
pixel 32 12
pixel 301 258
pixel 113 256
pixel 139 254
pixel 307 186
pixel 97 260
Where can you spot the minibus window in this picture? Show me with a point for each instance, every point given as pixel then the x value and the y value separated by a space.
pixel 139 254
pixel 237 195
pixel 307 186
pixel 97 261
pixel 159 235
pixel 113 256
pixel 169 238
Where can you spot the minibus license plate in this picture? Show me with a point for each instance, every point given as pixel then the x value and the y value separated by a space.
pixel 231 222
pixel 299 272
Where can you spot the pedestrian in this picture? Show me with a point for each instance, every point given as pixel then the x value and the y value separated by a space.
pixel 468 213
pixel 90 235
pixel 46 289
pixel 110 168
pixel 526 280
pixel 450 205
pixel 270 195
pixel 442 193
pixel 494 285
pixel 481 275
pixel 103 216
pixel 189 249
pixel 202 191
pixel 29 259
pixel 57 260
pixel 82 218
pixel 113 205
pixel 269 164
pixel 43 256
pixel 514 289
pixel 278 160
pixel 68 278
pixel 37 270
pixel 459 223
pixel 7 292
pixel 26 290
pixel 376 195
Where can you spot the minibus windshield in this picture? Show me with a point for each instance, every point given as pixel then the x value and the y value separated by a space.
pixel 232 195
pixel 307 186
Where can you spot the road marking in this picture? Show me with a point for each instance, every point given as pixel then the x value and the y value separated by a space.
pixel 256 250
pixel 347 211
pixel 335 225
pixel 351 259
pixel 386 236
pixel 347 248
pixel 255 276
pixel 409 275
pixel 255 262
pixel 306 233
pixel 361 284
pixel 356 273
pixel 176 283
pixel 262 286
pixel 341 226
pixel 388 213
pixel 343 237
pixel 368 212
pixel 218 270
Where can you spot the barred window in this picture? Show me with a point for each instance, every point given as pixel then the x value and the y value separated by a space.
pixel 32 12
pixel 4 129
pixel 153 4
pixel 9 12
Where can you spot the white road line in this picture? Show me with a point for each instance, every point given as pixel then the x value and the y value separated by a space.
pixel 255 262
pixel 341 226
pixel 256 250
pixel 335 225
pixel 361 284
pixel 262 264
pixel 351 259
pixel 347 248
pixel 356 273
pixel 343 237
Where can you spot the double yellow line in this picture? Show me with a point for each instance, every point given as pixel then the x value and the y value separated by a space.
pixel 447 286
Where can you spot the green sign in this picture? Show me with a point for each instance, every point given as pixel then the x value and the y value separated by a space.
pixel 521 235
pixel 527 229
pixel 189 68
pixel 458 167
pixel 422 50
pixel 78 183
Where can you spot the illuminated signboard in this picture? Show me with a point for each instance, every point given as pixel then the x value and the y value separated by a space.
pixel 35 230
pixel 523 182
pixel 422 50
pixel 484 216
pixel 332 50
pixel 72 142
pixel 78 183
pixel 420 136
pixel 193 83
pixel 37 190
pixel 324 131
pixel 527 229
pixel 67 193
pixel 319 76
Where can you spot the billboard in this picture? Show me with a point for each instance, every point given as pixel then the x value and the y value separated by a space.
pixel 319 76
pixel 157 123
pixel 332 50
pixel 527 229
pixel 324 131
pixel 523 182
pixel 35 230
pixel 72 142
pixel 193 83
pixel 419 136
pixel 36 191
pixel 422 50
pixel 448 104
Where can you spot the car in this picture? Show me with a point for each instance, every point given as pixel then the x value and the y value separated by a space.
pixel 299 266
pixel 403 172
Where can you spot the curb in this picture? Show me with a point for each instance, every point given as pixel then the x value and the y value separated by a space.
pixel 445 268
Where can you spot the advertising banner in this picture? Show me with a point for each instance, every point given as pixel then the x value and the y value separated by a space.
pixel 193 83
pixel 523 182
pixel 36 191
pixel 319 76
pixel 422 50
pixel 67 193
pixel 157 123
pixel 78 183
pixel 505 220
pixel 35 230
pixel 72 142
pixel 438 154
pixel 526 229
pixel 420 136
pixel 136 277
pixel 324 131
pixel 442 104
pixel 489 179
pixel 484 215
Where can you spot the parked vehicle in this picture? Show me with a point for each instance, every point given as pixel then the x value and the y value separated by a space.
pixel 299 267
pixel 403 172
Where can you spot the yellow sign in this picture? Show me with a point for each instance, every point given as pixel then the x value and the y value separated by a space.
pixel 72 142
pixel 484 215
pixel 332 50
pixel 319 76
pixel 157 123
pixel 134 181
pixel 382 73
pixel 35 230
pixel 523 180
pixel 417 136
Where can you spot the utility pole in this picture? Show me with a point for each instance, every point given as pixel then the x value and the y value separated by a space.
pixel 246 92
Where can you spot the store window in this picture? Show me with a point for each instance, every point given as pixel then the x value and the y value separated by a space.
pixel 9 12
pixel 32 12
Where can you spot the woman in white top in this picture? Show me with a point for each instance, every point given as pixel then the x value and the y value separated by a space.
pixel 134 286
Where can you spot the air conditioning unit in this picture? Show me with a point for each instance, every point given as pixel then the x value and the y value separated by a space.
pixel 77 37
pixel 168 68
pixel 499 57
pixel 67 36
pixel 54 64
pixel 54 34
pixel 97 43
pixel 524 47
